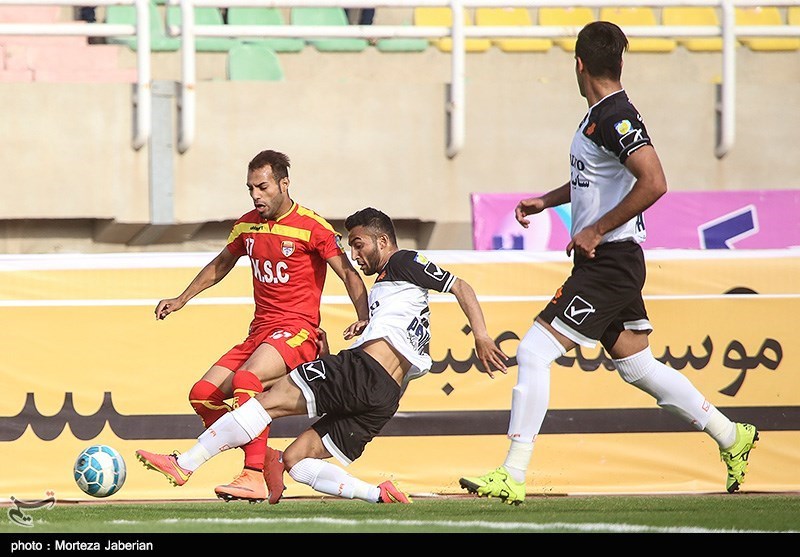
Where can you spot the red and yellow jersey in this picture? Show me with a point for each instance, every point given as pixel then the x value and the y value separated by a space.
pixel 288 260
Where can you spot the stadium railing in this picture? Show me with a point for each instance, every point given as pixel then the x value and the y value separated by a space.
pixel 142 96
pixel 458 33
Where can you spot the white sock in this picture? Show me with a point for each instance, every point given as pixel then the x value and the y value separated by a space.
pixel 531 395
pixel 518 459
pixel 721 429
pixel 671 389
pixel 330 479
pixel 233 429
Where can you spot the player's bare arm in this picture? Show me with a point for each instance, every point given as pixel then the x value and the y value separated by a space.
pixel 208 276
pixel 534 205
pixel 354 285
pixel 650 185
pixel 490 355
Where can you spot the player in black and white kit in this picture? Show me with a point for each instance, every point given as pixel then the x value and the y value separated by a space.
pixel 357 391
pixel 615 175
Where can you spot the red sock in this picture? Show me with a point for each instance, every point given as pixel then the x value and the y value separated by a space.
pixel 208 401
pixel 245 386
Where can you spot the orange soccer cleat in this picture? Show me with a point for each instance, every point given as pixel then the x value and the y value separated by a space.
pixel 247 486
pixel 390 494
pixel 273 475
pixel 167 464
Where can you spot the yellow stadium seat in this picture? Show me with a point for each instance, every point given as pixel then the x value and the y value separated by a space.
pixel 511 17
pixel 443 17
pixel 572 19
pixel 793 15
pixel 638 17
pixel 693 15
pixel 764 16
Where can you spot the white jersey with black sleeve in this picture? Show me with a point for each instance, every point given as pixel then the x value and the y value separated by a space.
pixel 398 307
pixel 599 179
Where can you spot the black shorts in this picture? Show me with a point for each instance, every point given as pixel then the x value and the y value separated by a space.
pixel 355 396
pixel 602 297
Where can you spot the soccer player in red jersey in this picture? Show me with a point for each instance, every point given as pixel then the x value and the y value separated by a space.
pixel 290 248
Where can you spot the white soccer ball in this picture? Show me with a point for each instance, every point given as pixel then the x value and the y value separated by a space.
pixel 100 471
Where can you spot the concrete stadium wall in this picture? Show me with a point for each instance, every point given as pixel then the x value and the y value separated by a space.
pixel 368 129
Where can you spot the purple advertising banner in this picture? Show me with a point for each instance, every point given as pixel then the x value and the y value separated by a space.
pixel 763 219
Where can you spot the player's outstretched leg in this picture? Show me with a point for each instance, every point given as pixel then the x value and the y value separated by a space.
pixel 735 457
pixel 166 464
pixel 497 483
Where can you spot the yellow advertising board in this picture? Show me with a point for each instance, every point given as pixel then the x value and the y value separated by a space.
pixel 85 361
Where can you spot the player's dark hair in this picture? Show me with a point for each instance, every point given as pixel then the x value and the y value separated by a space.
pixel 375 220
pixel 278 162
pixel 600 46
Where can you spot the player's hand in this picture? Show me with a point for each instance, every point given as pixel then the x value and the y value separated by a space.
pixel 529 206
pixel 165 307
pixel 322 342
pixel 585 242
pixel 490 355
pixel 355 329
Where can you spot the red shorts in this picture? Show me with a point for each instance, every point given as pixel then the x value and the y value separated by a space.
pixel 295 344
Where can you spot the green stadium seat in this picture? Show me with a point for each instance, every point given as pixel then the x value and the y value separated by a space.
pixel 253 62
pixel 239 15
pixel 126 15
pixel 324 17
pixel 203 16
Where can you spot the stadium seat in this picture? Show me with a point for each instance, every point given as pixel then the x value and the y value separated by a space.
pixel 240 15
pixel 793 15
pixel 572 19
pixel 443 17
pixel 401 44
pixel 764 16
pixel 693 15
pixel 159 40
pixel 203 16
pixel 253 62
pixel 328 16
pixel 638 17
pixel 502 17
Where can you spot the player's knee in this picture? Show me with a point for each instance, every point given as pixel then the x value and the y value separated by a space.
pixel 206 391
pixel 538 349
pixel 636 367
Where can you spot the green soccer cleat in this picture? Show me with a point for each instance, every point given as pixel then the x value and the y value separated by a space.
pixel 735 458
pixel 497 483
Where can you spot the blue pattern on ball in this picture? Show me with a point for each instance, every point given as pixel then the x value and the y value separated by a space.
pixel 100 471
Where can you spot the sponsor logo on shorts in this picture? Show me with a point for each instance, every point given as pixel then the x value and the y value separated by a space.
pixel 578 310
pixel 313 371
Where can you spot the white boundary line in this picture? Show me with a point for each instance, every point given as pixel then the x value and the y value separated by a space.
pixel 487 525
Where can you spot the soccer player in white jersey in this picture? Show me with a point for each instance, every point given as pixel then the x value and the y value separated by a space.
pixel 615 175
pixel 357 391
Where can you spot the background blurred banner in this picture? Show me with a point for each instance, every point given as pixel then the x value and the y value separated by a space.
pixel 85 361
pixel 683 220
